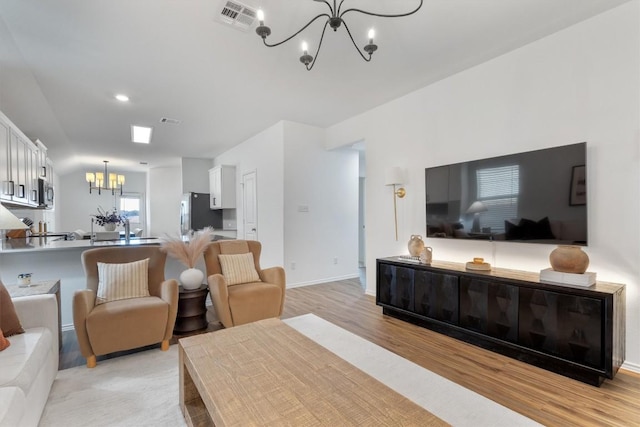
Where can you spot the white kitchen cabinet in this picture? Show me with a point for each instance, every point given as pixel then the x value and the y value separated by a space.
pixel 32 174
pixel 19 152
pixel 43 167
pixel 19 165
pixel 5 164
pixel 222 186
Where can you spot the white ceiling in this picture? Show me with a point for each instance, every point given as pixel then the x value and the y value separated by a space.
pixel 62 61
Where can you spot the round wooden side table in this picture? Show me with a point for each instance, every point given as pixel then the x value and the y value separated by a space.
pixel 192 310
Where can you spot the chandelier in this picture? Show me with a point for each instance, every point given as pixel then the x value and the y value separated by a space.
pixel 105 181
pixel 334 20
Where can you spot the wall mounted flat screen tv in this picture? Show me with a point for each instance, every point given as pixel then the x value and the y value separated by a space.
pixel 533 197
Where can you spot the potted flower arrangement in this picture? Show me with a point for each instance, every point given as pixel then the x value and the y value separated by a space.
pixel 188 252
pixel 109 219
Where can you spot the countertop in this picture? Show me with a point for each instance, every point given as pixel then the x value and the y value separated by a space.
pixel 39 244
pixel 36 244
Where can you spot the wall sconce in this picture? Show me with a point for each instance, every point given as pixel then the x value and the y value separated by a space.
pixel 476 208
pixel 393 176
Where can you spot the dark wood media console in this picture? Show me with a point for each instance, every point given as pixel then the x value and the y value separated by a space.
pixel 573 331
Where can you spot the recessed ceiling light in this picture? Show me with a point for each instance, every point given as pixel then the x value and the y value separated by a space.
pixel 141 134
pixel 122 98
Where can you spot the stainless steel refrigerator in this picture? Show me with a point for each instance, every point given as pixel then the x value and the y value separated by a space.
pixel 195 213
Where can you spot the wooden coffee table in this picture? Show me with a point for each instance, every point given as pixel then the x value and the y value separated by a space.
pixel 267 373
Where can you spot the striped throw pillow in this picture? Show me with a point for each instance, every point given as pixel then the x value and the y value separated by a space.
pixel 122 281
pixel 238 268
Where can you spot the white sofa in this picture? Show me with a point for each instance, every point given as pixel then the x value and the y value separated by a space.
pixel 30 364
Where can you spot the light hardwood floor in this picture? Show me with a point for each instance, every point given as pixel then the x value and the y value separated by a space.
pixel 546 397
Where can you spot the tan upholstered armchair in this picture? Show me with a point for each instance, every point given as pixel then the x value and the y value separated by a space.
pixel 125 323
pixel 241 303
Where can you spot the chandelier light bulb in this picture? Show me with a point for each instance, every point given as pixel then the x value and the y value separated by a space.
pixel 305 47
pixel 372 34
pixel 261 16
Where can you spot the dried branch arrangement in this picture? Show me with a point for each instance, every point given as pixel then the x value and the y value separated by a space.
pixel 187 252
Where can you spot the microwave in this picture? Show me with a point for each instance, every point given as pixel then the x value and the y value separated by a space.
pixel 45 194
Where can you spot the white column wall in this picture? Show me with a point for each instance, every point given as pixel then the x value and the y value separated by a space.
pixel 262 153
pixel 580 84
pixel 165 195
pixel 322 243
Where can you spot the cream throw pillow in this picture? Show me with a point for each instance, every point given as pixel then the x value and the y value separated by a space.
pixel 238 268
pixel 122 281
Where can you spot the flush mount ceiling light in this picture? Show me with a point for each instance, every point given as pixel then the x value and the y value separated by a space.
pixel 104 181
pixel 141 134
pixel 334 20
pixel 122 98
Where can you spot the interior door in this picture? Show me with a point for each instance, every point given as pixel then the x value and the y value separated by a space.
pixel 250 205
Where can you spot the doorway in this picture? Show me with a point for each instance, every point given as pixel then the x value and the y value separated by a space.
pixel 250 205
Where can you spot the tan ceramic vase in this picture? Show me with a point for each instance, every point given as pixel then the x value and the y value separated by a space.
pixel 416 245
pixel 426 255
pixel 569 259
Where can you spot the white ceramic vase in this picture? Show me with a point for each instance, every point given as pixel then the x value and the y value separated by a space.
pixel 110 226
pixel 191 278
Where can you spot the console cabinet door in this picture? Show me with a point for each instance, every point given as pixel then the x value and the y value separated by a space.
pixel 396 286
pixel 436 296
pixel 489 307
pixel 568 326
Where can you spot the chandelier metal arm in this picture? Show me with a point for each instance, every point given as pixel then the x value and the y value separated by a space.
pixel 315 57
pixel 354 43
pixel 380 14
pixel 332 9
pixel 264 40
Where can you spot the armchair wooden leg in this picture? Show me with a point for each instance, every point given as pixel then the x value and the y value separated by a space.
pixel 165 345
pixel 91 362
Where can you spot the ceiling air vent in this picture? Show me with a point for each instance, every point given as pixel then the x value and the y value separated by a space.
pixel 237 15
pixel 169 121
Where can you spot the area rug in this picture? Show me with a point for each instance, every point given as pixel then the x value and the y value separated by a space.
pixel 141 389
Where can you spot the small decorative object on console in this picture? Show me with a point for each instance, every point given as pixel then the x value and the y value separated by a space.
pixel 426 255
pixel 569 259
pixel 416 245
pixel 478 264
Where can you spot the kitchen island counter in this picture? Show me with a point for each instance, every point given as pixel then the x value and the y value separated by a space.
pixel 51 259
pixel 37 244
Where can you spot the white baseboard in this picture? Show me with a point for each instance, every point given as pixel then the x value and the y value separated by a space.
pixel 633 367
pixel 370 292
pixel 325 280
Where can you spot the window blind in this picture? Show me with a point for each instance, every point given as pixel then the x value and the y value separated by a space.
pixel 498 190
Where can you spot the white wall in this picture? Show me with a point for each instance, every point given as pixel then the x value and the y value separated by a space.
pixel 75 205
pixel 293 169
pixel 262 153
pixel 323 242
pixel 195 175
pixel 165 193
pixel 580 84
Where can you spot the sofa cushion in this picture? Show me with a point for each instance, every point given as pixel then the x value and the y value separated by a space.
pixel 12 406
pixel 9 322
pixel 21 362
pixel 238 268
pixel 122 281
pixel 111 323
pixel 4 343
